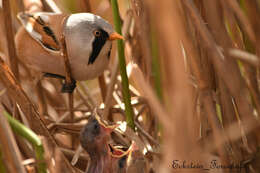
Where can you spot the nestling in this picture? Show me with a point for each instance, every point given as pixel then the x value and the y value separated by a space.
pixel 105 158
pixel 88 39
pixel 120 158
pixel 94 139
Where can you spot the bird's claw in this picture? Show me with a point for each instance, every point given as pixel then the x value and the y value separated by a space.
pixel 68 87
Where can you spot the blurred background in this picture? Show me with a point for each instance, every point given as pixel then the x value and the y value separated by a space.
pixel 193 74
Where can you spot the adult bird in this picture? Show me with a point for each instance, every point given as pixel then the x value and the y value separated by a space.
pixel 88 40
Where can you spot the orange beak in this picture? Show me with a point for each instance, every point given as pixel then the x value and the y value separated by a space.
pixel 115 36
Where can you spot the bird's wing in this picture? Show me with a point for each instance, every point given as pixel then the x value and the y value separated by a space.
pixel 45 28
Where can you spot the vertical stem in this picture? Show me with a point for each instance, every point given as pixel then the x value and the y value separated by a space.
pixel 2 167
pixel 156 66
pixel 68 77
pixel 10 38
pixel 122 65
pixel 156 71
pixel 103 86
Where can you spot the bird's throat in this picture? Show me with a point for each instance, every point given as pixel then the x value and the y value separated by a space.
pixel 100 164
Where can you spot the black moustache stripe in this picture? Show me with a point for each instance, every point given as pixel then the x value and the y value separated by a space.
pixel 97 45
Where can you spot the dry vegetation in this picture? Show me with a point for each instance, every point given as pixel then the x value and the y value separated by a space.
pixel 193 70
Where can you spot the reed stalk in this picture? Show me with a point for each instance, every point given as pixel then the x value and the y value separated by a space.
pixel 122 66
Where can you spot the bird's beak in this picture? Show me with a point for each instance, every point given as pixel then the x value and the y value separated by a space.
pixel 118 153
pixel 109 129
pixel 115 36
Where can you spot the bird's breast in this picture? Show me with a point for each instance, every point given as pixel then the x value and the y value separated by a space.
pixel 81 70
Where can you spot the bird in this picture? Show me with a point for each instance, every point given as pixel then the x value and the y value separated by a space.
pixel 105 158
pixel 88 38
pixel 120 158
pixel 94 139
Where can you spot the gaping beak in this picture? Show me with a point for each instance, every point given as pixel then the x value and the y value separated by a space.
pixel 118 153
pixel 115 36
pixel 108 129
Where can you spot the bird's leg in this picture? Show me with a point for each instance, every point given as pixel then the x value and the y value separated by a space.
pixel 66 87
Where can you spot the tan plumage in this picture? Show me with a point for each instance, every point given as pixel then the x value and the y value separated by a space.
pixel 38 43
pixel 34 54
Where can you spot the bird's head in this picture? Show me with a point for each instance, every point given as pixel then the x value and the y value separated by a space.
pixel 91 34
pixel 94 137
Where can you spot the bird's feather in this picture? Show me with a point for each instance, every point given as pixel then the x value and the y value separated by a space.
pixel 38 25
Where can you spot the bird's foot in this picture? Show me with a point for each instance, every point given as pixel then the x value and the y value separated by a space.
pixel 68 87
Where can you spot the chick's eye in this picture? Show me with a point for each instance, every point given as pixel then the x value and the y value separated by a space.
pixel 97 33
pixel 96 128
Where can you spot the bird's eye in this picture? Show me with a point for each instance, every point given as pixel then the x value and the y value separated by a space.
pixel 96 128
pixel 97 33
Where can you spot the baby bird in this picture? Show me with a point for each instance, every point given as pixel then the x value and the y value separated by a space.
pixel 88 39
pixel 105 158
pixel 94 139
pixel 120 158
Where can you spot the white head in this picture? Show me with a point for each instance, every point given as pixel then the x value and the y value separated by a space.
pixel 89 36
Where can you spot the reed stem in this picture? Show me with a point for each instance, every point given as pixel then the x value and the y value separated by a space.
pixel 122 65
